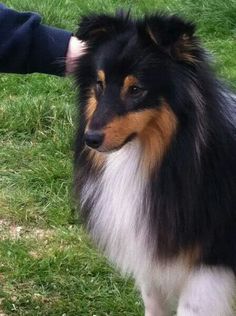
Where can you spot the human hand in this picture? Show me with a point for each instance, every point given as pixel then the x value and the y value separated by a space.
pixel 76 49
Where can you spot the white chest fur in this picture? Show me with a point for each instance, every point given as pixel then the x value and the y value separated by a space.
pixel 119 219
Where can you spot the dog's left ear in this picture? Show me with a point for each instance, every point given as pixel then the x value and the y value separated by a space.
pixel 99 27
pixel 172 35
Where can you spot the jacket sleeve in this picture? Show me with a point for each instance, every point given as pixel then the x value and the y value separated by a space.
pixel 27 46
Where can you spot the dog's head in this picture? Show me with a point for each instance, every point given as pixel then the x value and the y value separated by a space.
pixel 128 74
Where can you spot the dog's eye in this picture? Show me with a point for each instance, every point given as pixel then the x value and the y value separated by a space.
pixel 99 86
pixel 136 91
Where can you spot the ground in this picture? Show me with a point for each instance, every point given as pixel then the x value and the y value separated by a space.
pixel 47 265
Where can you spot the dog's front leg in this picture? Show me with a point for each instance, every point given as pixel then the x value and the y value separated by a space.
pixel 208 292
pixel 154 302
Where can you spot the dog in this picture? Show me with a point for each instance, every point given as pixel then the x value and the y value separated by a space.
pixel 155 161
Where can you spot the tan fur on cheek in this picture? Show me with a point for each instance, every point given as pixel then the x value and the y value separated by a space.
pixel 157 136
pixel 122 127
pixel 155 129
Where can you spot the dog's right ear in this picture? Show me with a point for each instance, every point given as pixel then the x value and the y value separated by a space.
pixel 101 27
pixel 171 34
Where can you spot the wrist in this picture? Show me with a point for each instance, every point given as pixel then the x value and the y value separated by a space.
pixel 74 51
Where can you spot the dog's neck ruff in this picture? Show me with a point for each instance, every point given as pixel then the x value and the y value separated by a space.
pixel 118 219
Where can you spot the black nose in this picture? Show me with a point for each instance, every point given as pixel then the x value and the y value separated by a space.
pixel 94 139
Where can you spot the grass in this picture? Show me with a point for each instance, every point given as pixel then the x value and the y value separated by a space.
pixel 48 266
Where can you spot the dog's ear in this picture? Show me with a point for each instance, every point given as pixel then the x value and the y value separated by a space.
pixel 101 27
pixel 172 35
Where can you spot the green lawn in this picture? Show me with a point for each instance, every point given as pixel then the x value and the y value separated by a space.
pixel 47 265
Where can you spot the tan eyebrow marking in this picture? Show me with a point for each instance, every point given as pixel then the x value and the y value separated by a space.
pixel 129 81
pixel 101 77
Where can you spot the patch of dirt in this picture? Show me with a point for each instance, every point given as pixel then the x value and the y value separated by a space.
pixel 11 231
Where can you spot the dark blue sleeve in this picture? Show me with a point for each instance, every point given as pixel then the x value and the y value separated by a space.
pixel 27 46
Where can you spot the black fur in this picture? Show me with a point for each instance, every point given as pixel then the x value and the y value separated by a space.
pixel 193 194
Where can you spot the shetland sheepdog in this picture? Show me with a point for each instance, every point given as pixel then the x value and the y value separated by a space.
pixel 155 161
